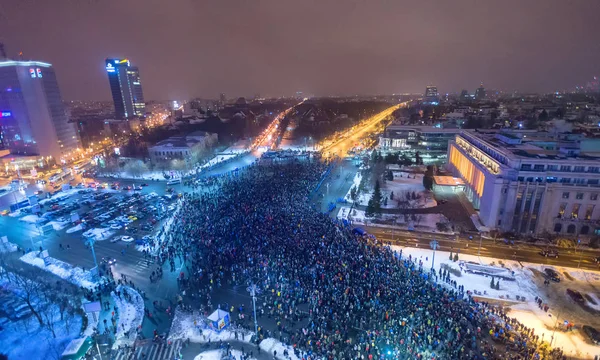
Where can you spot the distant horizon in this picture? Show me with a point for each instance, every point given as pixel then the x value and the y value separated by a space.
pixel 186 49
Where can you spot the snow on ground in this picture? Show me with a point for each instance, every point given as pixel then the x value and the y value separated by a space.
pixel 403 186
pixel 34 219
pixel 210 355
pixel 543 323
pixel 130 316
pixel 78 227
pixel 217 159
pixel 269 345
pixel 26 339
pixel 421 222
pixel 220 354
pixel 7 247
pixel 99 234
pixel 58 225
pixel 527 312
pixel 193 326
pixel 61 269
pixel 522 285
pixel 240 146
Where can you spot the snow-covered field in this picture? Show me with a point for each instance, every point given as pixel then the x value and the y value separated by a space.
pixel 524 285
pixel 220 354
pixel 131 315
pixel 61 269
pixel 27 340
pixel 403 186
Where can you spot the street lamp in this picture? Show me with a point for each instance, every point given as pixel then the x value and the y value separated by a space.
pixel 254 290
pixel 434 245
pixel 91 242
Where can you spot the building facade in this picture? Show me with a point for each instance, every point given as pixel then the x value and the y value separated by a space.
pixel 432 96
pixel 34 120
pixel 529 182
pixel 126 88
pixel 184 148
pixel 430 142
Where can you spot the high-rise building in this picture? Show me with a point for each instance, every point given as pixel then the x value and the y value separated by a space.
pixel 480 92
pixel 126 88
pixel 34 120
pixel 431 95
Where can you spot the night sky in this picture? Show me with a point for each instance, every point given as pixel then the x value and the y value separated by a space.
pixel 188 48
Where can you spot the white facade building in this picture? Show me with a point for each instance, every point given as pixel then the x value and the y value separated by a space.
pixel 182 147
pixel 530 182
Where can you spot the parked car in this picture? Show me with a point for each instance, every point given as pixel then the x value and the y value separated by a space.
pixel 126 238
pixel 551 275
pixel 549 253
pixel 592 334
pixel 116 226
pixel 575 295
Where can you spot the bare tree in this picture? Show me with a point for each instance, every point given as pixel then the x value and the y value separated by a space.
pixel 30 285
pixel 136 168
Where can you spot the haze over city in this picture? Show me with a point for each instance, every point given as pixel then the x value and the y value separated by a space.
pixel 275 48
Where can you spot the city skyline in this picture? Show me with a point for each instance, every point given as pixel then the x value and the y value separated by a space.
pixel 342 49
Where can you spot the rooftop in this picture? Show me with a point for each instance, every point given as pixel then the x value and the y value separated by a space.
pixel 23 63
pixel 447 181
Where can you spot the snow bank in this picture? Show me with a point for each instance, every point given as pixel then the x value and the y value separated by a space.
pixel 210 355
pixel 78 227
pixel 61 269
pixel 131 315
pixel 7 247
pixel 270 345
pixel 543 323
pixel 58 225
pixel 192 326
pixel 100 234
pixel 34 219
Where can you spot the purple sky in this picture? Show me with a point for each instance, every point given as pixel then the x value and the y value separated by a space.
pixel 188 48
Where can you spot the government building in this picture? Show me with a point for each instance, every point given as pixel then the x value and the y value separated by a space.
pixel 530 182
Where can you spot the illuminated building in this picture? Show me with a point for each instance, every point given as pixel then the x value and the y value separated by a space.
pixel 432 97
pixel 530 182
pixel 431 142
pixel 34 120
pixel 126 88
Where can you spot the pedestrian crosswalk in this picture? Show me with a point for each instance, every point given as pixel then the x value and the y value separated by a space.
pixel 149 350
pixel 143 265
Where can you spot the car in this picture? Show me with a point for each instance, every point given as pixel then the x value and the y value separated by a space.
pixel 126 238
pixel 108 261
pixel 4 212
pixel 116 226
pixel 131 230
pixel 89 234
pixel 550 274
pixel 140 242
pixel 144 185
pixel 549 253
pixel 146 227
pixel 147 238
pixel 575 295
pixel 132 218
pixel 115 239
pixel 41 181
pixel 126 188
pixel 592 334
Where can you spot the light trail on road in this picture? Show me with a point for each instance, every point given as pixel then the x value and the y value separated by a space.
pixel 269 136
pixel 340 147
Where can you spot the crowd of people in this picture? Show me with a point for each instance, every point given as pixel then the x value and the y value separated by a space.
pixel 326 291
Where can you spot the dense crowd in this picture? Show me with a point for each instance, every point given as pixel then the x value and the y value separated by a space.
pixel 328 292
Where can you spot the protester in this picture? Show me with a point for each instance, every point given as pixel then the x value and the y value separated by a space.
pixel 330 293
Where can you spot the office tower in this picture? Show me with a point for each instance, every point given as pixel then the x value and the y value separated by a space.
pixel 126 88
pixel 480 93
pixel 34 121
pixel 431 95
pixel 464 95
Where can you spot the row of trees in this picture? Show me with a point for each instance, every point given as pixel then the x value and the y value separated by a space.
pixel 50 302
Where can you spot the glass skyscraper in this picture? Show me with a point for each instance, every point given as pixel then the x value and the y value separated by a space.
pixel 34 121
pixel 126 88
